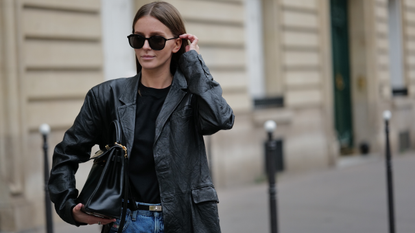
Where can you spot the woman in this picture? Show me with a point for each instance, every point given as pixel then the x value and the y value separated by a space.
pixel 164 112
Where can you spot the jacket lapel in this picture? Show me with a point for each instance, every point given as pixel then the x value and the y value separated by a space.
pixel 127 111
pixel 173 98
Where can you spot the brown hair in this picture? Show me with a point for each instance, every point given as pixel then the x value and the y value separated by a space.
pixel 168 15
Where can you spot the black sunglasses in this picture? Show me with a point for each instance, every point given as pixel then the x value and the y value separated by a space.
pixel 156 42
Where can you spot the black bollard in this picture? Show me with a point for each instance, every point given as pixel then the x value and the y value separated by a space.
pixel 45 130
pixel 270 160
pixel 389 178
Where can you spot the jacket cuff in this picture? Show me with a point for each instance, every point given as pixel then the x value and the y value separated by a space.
pixel 197 74
pixel 188 59
pixel 68 215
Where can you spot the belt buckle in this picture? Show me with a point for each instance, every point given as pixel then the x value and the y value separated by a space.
pixel 155 208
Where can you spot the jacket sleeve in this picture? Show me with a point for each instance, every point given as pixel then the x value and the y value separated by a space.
pixel 74 149
pixel 212 110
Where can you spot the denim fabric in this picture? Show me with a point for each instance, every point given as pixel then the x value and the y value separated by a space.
pixel 141 221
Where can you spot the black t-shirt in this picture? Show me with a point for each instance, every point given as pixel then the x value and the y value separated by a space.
pixel 142 167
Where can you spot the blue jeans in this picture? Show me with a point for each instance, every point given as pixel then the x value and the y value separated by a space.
pixel 141 221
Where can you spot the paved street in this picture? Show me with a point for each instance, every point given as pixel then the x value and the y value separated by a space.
pixel 349 198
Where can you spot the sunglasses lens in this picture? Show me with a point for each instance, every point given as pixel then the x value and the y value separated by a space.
pixel 157 42
pixel 136 41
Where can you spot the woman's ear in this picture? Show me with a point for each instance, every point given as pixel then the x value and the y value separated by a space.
pixel 177 45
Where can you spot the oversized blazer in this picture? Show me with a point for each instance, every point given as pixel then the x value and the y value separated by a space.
pixel 193 107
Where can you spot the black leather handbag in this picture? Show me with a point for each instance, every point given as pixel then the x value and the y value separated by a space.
pixel 107 189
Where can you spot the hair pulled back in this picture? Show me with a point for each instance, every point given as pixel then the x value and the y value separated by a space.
pixel 168 15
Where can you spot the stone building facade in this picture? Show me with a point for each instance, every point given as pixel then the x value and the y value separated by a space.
pixel 324 70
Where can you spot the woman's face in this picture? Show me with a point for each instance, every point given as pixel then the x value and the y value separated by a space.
pixel 149 58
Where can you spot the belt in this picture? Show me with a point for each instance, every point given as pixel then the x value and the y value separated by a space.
pixel 156 208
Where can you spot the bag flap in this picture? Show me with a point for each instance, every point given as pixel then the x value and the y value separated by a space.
pixel 204 194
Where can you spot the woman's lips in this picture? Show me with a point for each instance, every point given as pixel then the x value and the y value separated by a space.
pixel 147 57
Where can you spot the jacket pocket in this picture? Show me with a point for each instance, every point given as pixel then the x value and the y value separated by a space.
pixel 204 194
pixel 205 217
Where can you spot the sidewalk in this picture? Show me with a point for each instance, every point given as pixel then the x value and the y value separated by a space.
pixel 348 199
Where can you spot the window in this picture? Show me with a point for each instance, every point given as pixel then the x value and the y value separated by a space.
pixel 397 79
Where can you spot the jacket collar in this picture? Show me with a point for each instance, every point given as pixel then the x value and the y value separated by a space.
pixel 131 87
pixel 177 91
pixel 129 91
pixel 127 111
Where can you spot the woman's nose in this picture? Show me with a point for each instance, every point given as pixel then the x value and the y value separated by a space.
pixel 146 45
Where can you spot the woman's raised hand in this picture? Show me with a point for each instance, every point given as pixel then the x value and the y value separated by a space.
pixel 193 42
pixel 82 217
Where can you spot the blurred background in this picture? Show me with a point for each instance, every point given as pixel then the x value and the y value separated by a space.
pixel 323 70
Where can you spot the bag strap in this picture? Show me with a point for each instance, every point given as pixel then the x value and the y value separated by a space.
pixel 116 132
pixel 116 136
pixel 128 195
pixel 128 199
pixel 125 203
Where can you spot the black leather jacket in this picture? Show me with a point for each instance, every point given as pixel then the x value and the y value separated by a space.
pixel 193 107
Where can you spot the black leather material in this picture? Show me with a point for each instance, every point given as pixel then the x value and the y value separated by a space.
pixel 193 107
pixel 107 183
pixel 102 192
